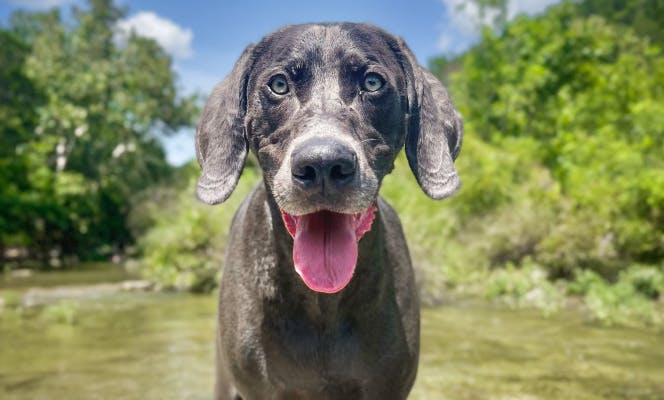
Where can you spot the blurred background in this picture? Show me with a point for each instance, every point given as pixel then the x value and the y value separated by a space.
pixel 541 279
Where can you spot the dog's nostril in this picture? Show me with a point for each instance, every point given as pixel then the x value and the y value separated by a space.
pixel 308 173
pixel 342 172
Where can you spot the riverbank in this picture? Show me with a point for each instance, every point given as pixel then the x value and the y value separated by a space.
pixel 624 303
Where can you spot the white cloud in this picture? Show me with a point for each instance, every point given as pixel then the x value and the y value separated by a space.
pixel 466 19
pixel 467 16
pixel 175 39
pixel 40 4
pixel 444 42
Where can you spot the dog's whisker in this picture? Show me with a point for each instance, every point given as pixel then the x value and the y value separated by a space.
pixel 370 140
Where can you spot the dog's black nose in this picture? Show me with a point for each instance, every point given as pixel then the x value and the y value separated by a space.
pixel 323 163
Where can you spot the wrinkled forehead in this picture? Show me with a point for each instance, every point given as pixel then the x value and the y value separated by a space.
pixel 325 47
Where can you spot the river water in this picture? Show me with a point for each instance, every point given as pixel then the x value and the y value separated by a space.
pixel 142 345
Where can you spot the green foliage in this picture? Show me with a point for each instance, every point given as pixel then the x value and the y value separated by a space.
pixel 581 95
pixel 525 286
pixel 625 302
pixel 497 217
pixel 584 279
pixel 646 280
pixel 81 133
pixel 562 166
pixel 18 96
pixel 620 303
pixel 63 312
pixel 10 299
pixel 644 16
pixel 184 243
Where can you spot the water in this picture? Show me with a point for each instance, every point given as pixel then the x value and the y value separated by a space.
pixel 479 351
pixel 160 346
pixel 125 346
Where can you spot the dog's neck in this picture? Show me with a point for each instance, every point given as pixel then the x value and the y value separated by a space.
pixel 322 309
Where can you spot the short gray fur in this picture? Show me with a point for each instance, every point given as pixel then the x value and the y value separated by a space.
pixel 277 339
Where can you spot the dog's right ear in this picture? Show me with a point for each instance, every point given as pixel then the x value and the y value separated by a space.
pixel 221 145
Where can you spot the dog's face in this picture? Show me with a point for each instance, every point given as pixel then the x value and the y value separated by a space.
pixel 326 109
pixel 326 116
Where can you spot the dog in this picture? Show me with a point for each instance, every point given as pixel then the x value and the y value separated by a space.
pixel 318 298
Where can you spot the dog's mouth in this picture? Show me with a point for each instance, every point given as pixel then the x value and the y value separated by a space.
pixel 325 246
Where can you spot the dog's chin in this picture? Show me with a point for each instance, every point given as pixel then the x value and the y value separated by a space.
pixel 325 245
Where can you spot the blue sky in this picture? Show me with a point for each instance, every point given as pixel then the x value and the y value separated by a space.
pixel 205 36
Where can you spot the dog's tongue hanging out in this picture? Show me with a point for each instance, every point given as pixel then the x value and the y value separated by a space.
pixel 325 246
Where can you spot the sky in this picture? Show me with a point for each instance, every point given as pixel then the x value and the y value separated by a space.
pixel 205 37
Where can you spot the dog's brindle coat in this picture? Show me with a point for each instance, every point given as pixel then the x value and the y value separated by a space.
pixel 278 339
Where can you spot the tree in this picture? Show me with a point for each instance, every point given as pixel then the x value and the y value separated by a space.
pixel 643 16
pixel 587 94
pixel 94 142
pixel 18 97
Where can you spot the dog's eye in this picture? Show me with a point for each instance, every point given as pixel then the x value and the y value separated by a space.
pixel 372 82
pixel 278 84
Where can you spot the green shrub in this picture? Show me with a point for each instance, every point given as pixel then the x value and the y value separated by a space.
pixel 621 304
pixel 10 298
pixel 525 286
pixel 504 208
pixel 625 302
pixel 183 241
pixel 63 312
pixel 510 283
pixel 578 239
pixel 646 280
pixel 584 280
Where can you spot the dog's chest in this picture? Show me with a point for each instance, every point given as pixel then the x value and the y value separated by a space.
pixel 297 349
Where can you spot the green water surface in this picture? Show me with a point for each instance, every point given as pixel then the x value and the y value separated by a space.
pixel 160 346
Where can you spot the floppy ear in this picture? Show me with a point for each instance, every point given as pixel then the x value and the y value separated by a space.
pixel 435 130
pixel 221 146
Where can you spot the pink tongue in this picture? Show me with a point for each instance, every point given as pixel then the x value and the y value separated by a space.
pixel 325 247
pixel 325 250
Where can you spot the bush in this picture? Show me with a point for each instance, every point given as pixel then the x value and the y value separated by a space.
pixel 646 280
pixel 622 304
pixel 504 208
pixel 578 239
pixel 525 286
pixel 625 302
pixel 182 241
pixel 584 280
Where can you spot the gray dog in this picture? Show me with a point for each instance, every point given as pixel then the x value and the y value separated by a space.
pixel 318 299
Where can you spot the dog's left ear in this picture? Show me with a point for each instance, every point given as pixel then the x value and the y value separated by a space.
pixel 435 129
pixel 221 146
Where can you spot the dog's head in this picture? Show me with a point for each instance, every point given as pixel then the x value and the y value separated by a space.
pixel 326 109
